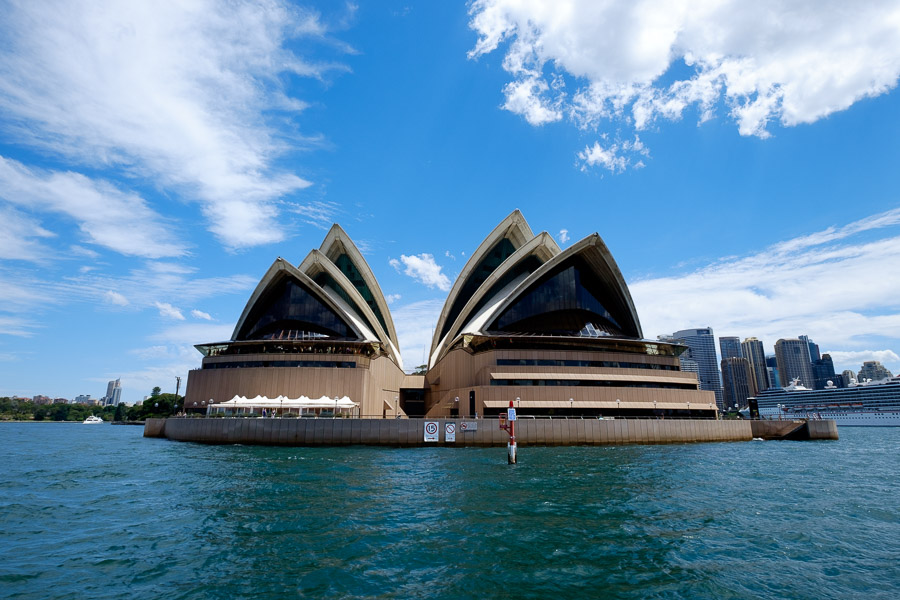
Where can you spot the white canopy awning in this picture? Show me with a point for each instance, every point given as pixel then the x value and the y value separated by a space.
pixel 285 402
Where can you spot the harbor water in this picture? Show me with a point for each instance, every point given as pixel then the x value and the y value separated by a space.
pixel 102 512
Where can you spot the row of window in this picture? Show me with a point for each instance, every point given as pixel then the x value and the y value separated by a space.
pixel 593 383
pixel 548 362
pixel 328 364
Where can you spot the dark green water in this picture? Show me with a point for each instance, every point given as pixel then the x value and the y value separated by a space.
pixel 101 512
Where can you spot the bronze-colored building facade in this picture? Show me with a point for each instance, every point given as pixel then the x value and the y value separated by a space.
pixel 556 331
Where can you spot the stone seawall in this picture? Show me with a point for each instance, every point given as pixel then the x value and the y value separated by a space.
pixel 481 432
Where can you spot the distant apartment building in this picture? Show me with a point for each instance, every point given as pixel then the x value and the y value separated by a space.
pixel 794 362
pixel 39 399
pixel 752 350
pixel 848 376
pixel 874 370
pixel 702 345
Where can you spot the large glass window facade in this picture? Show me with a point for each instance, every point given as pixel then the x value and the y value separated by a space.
pixel 571 300
pixel 326 280
pixel 489 263
pixel 349 269
pixel 288 310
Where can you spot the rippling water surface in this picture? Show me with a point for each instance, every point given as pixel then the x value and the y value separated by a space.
pixel 101 512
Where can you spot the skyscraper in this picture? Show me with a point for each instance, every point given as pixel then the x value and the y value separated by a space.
pixel 738 381
pixel 702 345
pixel 752 350
pixel 812 348
pixel 823 371
pixel 793 362
pixel 730 347
pixel 113 393
pixel 772 369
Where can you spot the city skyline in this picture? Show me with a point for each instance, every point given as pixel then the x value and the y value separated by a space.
pixel 155 160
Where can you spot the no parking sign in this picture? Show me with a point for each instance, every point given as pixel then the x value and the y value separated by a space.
pixel 449 432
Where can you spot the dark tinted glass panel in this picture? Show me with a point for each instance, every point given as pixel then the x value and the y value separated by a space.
pixel 495 256
pixel 526 266
pixel 572 300
pixel 551 362
pixel 324 279
pixel 349 269
pixel 288 310
pixel 331 364
pixel 592 383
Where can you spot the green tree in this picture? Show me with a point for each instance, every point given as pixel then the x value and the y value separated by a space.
pixel 155 392
pixel 121 412
pixel 421 370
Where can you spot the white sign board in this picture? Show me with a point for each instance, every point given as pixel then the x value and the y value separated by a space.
pixel 431 431
pixel 449 432
pixel 510 414
pixel 466 426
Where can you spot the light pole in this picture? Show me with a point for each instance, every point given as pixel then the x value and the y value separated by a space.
pixel 177 385
pixel 571 407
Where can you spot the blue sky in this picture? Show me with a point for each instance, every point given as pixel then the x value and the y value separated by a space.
pixel 739 161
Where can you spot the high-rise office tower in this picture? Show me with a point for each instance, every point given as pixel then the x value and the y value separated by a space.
pixel 812 348
pixel 738 382
pixel 793 362
pixel 752 350
pixel 730 347
pixel 772 369
pixel 823 372
pixel 702 344
pixel 113 393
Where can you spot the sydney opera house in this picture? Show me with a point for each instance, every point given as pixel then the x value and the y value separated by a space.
pixel 554 330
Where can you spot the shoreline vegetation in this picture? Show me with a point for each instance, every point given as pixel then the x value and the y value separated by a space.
pixel 25 410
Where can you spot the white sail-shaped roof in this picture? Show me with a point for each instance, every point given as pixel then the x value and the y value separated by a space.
pixel 341 251
pixel 277 273
pixel 541 246
pixel 486 308
pixel 514 231
pixel 316 263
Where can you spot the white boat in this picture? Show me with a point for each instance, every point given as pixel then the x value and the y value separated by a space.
pixel 862 404
pixel 91 420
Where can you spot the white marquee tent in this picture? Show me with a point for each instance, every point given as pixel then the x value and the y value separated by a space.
pixel 303 405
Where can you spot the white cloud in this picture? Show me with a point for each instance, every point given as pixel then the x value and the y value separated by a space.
pixel 318 214
pixel 391 298
pixel 105 215
pixel 186 93
pixel 885 357
pixel 836 288
pixel 414 323
pixel 199 314
pixel 22 235
pixel 188 334
pixel 17 326
pixel 423 269
pixel 563 236
pixel 169 311
pixel 115 298
pixel 595 61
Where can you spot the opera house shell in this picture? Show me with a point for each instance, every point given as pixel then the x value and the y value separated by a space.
pixel 553 330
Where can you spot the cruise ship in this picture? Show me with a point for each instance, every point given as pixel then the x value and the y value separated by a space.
pixel 862 404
